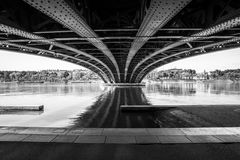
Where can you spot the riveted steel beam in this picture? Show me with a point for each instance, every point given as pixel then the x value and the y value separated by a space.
pixel 144 71
pixel 41 52
pixel 125 30
pixel 125 38
pixel 230 23
pixel 159 13
pixel 63 13
pixel 21 33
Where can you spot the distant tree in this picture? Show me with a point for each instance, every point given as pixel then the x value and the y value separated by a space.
pixel 66 76
pixel 1 76
pixel 53 77
pixel 6 76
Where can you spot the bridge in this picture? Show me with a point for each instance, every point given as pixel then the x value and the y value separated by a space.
pixel 120 40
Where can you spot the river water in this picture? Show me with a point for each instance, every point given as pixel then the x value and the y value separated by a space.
pixel 95 105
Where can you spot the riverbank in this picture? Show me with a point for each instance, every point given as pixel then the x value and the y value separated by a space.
pixel 106 143
pixel 47 82
pixel 194 80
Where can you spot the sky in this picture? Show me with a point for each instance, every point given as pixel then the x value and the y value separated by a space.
pixel 12 61
pixel 229 59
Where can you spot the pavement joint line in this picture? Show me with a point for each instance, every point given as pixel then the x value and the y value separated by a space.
pixel 95 138
pixel 218 138
pixel 75 139
pixel 52 141
pixel 69 131
pixel 171 138
pixel 54 138
pixel 2 134
pixel 25 137
pixel 203 139
pixel 188 138
pixel 113 139
pixel 39 136
pixel 105 139
pixel 229 141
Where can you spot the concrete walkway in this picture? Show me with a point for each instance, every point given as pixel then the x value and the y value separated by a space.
pixel 74 151
pixel 121 135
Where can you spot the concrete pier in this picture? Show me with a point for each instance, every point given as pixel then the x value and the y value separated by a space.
pixel 159 107
pixel 125 84
pixel 22 108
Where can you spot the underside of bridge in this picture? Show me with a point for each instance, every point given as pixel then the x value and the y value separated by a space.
pixel 120 40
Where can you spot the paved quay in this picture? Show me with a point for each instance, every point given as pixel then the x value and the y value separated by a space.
pixel 121 135
pixel 76 151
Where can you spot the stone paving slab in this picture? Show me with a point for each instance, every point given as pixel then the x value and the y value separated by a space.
pixel 146 139
pixel 165 131
pixel 12 129
pixel 39 138
pixel 60 131
pixel 121 139
pixel 93 131
pixel 235 130
pixel 37 130
pixel 173 139
pixel 90 139
pixel 203 139
pixel 125 131
pixel 65 138
pixel 13 137
pixel 206 131
pixel 75 131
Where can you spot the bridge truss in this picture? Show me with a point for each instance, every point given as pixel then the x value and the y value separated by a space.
pixel 120 40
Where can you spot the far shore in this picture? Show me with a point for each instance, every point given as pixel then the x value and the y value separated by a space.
pixel 147 81
pixel 193 80
pixel 43 82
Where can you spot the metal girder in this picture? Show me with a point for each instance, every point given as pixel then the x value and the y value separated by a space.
pixel 125 30
pixel 40 51
pixel 21 33
pixel 63 13
pixel 159 13
pixel 230 23
pixel 142 73
pixel 157 37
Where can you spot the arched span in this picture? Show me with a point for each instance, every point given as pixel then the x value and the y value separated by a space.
pixel 21 33
pixel 229 23
pixel 152 23
pixel 214 47
pixel 59 56
pixel 64 14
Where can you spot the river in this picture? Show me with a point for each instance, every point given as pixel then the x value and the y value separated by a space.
pixel 95 105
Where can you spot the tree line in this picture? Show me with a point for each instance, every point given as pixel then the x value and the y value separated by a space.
pixel 188 74
pixel 47 76
pixel 86 75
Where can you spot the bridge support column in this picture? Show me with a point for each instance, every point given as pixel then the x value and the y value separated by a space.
pixel 125 84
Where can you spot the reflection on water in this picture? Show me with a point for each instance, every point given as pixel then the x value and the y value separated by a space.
pixel 54 89
pixel 186 89
pixel 105 111
pixel 93 105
